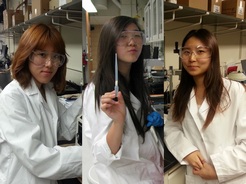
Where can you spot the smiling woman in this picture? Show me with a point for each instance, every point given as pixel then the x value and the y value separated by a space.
pixel 205 128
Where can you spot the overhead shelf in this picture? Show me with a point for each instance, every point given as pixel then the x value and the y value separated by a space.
pixel 69 15
pixel 175 12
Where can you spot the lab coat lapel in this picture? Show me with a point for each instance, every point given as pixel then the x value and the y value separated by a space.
pixel 51 100
pixel 50 105
pixel 192 105
pixel 198 115
pixel 34 95
pixel 203 111
pixel 130 136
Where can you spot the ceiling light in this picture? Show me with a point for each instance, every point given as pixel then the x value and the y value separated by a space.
pixel 89 6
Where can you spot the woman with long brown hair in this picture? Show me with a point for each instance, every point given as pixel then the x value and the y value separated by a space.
pixel 121 145
pixel 206 125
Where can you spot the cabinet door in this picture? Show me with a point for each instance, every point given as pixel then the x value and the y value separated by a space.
pixel 154 19
pixel 177 176
pixel 166 178
pixel 147 21
pixel 160 6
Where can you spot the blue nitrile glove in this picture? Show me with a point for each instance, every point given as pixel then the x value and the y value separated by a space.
pixel 154 119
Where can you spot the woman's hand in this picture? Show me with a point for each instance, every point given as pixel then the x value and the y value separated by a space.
pixel 207 172
pixel 195 160
pixel 116 110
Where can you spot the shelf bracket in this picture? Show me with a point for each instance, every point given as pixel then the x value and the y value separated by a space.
pixel 194 24
pixel 22 25
pixel 62 25
pixel 71 11
pixel 227 30
pixel 14 33
pixel 173 12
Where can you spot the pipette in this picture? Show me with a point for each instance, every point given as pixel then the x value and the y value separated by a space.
pixel 116 87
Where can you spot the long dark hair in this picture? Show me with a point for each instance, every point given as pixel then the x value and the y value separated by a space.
pixel 37 37
pixel 104 75
pixel 212 81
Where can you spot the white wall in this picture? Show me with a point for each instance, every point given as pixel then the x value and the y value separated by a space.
pixel 73 41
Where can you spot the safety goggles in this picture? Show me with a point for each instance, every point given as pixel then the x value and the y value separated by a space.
pixel 200 52
pixel 127 36
pixel 40 58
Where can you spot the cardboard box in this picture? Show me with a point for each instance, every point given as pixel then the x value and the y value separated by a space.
pixel 235 8
pixel 215 6
pixel 17 17
pixel 53 4
pixel 7 18
pixel 199 4
pixel 39 7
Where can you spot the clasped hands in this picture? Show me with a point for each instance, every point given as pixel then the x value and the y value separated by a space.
pixel 200 166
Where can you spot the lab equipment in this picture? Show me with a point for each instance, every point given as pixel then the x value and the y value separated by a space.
pixel 116 87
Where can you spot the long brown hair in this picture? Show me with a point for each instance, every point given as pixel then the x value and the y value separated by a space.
pixel 37 37
pixel 213 82
pixel 104 75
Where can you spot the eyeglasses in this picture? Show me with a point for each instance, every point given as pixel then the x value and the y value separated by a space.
pixel 40 58
pixel 201 52
pixel 127 36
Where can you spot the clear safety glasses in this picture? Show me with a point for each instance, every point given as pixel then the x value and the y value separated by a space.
pixel 201 52
pixel 127 36
pixel 40 58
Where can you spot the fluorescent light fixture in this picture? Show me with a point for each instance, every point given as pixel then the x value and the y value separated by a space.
pixel 89 6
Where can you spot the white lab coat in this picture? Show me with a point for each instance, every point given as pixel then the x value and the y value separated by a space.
pixel 29 127
pixel 223 143
pixel 134 163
